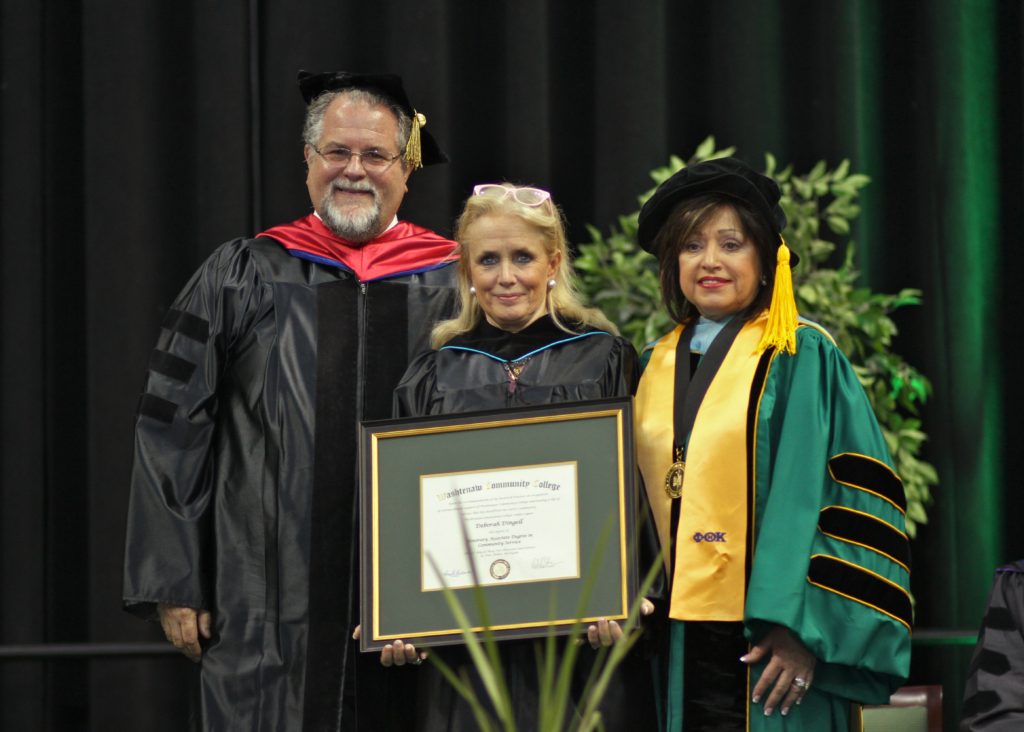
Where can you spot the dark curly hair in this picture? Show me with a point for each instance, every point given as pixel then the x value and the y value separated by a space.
pixel 687 217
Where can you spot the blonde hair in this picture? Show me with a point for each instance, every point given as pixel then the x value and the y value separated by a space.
pixel 563 300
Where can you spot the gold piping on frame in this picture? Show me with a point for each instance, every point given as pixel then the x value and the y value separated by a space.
pixel 375 436
pixel 622 513
pixel 375 508
pixel 499 423
pixel 508 626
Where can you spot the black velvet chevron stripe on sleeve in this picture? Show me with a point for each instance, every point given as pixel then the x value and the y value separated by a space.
pixel 865 530
pixel 171 366
pixel 860 585
pixel 189 325
pixel 868 474
pixel 156 408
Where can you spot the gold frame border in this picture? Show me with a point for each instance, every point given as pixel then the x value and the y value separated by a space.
pixel 384 434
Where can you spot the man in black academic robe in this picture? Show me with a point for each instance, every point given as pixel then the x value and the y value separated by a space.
pixel 242 522
pixel 994 693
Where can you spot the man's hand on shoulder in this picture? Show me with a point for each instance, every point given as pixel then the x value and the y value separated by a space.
pixel 183 626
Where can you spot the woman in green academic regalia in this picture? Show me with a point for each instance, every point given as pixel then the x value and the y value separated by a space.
pixel 774 495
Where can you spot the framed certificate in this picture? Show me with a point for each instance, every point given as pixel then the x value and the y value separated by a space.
pixel 530 505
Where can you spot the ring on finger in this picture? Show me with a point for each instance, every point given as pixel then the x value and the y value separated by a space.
pixel 800 683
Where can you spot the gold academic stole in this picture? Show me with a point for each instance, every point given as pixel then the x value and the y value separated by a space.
pixel 709 581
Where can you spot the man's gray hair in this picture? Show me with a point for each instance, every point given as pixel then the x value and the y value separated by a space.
pixel 313 127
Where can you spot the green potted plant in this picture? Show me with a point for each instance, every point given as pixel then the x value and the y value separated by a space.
pixel 556 658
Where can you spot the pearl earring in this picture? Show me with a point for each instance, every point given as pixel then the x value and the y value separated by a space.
pixel 472 290
pixel 764 281
pixel 551 284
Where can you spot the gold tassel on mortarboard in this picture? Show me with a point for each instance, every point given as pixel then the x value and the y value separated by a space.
pixel 780 331
pixel 413 150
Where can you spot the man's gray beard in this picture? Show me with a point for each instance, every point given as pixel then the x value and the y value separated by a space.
pixel 357 227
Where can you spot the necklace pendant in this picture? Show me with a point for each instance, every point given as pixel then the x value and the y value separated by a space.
pixel 513 370
pixel 674 479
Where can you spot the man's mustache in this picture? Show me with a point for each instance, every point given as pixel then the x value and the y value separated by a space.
pixel 355 187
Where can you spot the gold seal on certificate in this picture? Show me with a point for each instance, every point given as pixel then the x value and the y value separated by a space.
pixel 500 569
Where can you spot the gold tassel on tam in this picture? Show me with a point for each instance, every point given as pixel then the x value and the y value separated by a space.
pixel 413 151
pixel 780 331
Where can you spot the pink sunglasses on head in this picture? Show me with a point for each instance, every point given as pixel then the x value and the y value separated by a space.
pixel 523 195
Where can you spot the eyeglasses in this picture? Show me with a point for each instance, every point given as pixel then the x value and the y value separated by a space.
pixel 372 160
pixel 523 195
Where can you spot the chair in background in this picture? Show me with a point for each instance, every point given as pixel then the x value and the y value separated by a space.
pixel 910 709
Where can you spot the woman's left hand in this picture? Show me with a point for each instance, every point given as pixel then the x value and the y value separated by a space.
pixel 606 632
pixel 789 671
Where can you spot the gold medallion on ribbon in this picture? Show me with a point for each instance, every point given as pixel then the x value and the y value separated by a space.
pixel 674 476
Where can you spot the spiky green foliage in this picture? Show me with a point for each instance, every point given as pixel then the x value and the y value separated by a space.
pixel 555 659
pixel 820 205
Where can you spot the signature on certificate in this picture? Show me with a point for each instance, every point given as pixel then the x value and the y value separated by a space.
pixel 544 562
pixel 457 572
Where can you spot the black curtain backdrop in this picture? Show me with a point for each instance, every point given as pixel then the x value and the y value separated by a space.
pixel 136 136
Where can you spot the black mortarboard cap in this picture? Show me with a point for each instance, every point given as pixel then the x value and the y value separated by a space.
pixel 725 176
pixel 389 86
pixel 732 178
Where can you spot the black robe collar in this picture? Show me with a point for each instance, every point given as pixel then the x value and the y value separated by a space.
pixel 505 346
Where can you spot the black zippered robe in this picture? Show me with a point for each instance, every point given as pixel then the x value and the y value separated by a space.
pixel 243 496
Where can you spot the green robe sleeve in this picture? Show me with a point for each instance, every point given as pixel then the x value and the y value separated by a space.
pixel 831 557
